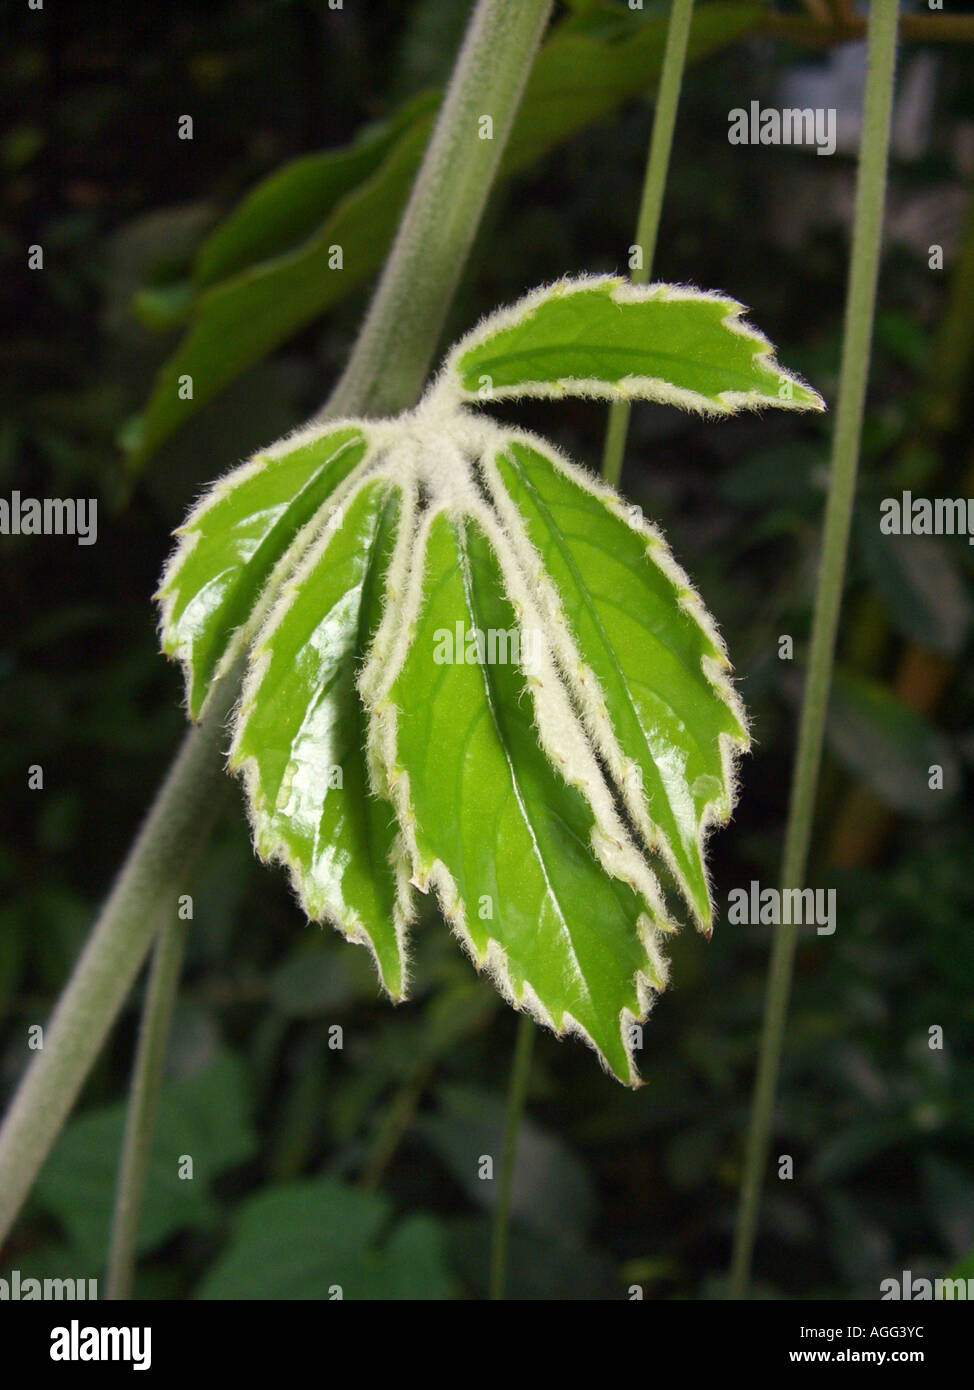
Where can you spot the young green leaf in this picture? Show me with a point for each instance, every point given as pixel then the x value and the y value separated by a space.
pixel 470 668
pixel 605 337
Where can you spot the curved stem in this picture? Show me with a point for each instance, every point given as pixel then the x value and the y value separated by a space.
pixel 393 352
pixel 651 205
pixel 385 374
pixel 857 337
pixel 140 1119
pixel 516 1094
pixel 175 829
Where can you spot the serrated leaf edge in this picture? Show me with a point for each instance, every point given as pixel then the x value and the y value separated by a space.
pixel 628 388
pixel 571 718
pixel 167 593
pixel 611 846
pixel 583 682
pixel 269 846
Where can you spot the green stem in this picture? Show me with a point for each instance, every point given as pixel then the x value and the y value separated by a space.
pixel 651 206
pixel 174 831
pixel 394 1125
pixel 140 1119
pixel 516 1095
pixel 857 337
pixel 385 374
pixel 393 352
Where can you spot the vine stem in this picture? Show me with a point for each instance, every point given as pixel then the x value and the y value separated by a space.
pixel 391 357
pixel 516 1096
pixel 857 338
pixel 385 374
pixel 651 203
pixel 174 830
pixel 140 1118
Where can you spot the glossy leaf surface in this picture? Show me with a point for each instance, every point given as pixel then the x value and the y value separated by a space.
pixel 641 631
pixel 231 542
pixel 506 840
pixel 602 336
pixel 300 734
pixel 472 669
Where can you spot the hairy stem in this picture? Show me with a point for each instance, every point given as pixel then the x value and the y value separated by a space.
pixel 173 833
pixel 857 337
pixel 391 358
pixel 385 374
pixel 140 1119
pixel 651 205
pixel 516 1095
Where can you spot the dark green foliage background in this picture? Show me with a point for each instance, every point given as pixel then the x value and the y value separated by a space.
pixel 615 1188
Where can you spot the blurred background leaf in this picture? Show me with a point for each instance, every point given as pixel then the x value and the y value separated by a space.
pixel 320 1240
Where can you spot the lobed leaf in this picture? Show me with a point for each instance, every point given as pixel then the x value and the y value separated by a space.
pixel 471 668
pixel 604 337
pixel 206 1114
